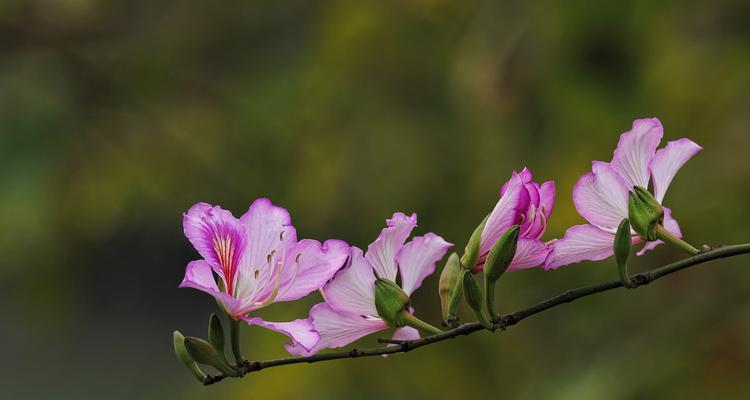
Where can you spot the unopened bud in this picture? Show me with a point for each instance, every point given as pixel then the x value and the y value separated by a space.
pixel 622 246
pixel 450 287
pixel 645 213
pixel 204 353
pixel 216 335
pixel 498 260
pixel 473 296
pixel 182 354
pixel 471 252
pixel 501 254
pixel 391 302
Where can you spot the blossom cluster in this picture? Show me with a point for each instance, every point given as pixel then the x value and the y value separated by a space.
pixel 250 262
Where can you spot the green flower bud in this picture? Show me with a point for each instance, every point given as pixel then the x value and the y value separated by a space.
pixel 216 335
pixel 500 257
pixel 645 213
pixel 182 354
pixel 622 247
pixel 471 252
pixel 473 295
pixel 450 287
pixel 204 353
pixel 391 302
pixel 501 254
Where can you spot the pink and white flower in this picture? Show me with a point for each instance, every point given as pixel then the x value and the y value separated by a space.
pixel 258 261
pixel 349 311
pixel 525 203
pixel 601 196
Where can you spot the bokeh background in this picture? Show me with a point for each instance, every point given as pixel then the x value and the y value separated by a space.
pixel 116 116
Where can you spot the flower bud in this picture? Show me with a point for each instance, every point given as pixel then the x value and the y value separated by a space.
pixel 471 252
pixel 450 287
pixel 498 260
pixel 622 246
pixel 645 213
pixel 216 335
pixel 204 353
pixel 501 254
pixel 473 296
pixel 182 354
pixel 391 302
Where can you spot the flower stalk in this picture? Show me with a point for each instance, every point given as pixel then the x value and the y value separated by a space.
pixel 234 333
pixel 667 237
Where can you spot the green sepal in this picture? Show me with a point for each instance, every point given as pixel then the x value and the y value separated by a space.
pixel 390 302
pixel 204 353
pixel 178 341
pixel 645 213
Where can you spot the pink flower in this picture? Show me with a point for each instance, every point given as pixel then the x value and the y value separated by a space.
pixel 258 261
pixel 349 311
pixel 601 196
pixel 528 204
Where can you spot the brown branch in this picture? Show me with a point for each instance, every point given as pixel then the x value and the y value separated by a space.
pixel 501 322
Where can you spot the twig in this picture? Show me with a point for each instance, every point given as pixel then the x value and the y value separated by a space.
pixel 501 322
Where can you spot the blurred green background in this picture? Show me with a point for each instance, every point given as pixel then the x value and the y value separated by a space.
pixel 116 116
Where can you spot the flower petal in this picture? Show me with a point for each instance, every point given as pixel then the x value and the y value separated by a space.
pixel 381 254
pixel 336 329
pixel 602 196
pixel 417 259
pixel 530 253
pixel 308 266
pixel 301 331
pixel 406 333
pixel 352 290
pixel 547 198
pixel 219 238
pixel 505 214
pixel 269 235
pixel 670 224
pixel 581 242
pixel 668 161
pixel 198 275
pixel 635 150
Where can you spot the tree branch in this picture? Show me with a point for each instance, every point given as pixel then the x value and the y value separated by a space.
pixel 501 322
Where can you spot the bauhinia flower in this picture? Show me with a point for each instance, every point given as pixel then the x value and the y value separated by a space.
pixel 601 196
pixel 258 261
pixel 525 203
pixel 349 311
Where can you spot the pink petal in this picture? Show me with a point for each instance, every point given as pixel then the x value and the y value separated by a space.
pixel 535 223
pixel 198 275
pixel 547 198
pixel 406 333
pixel 336 329
pixel 301 331
pixel 670 224
pixel 381 254
pixel 581 242
pixel 635 150
pixel 602 196
pixel 269 236
pixel 417 259
pixel 308 266
pixel 668 161
pixel 219 238
pixel 530 253
pixel 352 290
pixel 505 214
